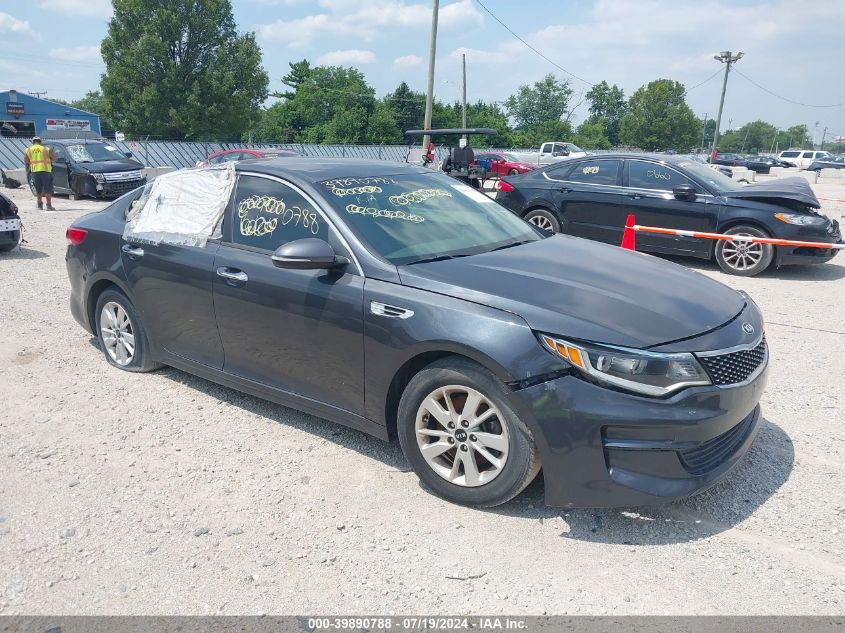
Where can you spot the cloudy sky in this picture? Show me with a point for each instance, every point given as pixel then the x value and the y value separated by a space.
pixel 794 48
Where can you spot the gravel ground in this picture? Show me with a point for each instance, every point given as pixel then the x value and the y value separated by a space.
pixel 166 494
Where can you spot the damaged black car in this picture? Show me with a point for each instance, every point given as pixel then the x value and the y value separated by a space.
pixel 92 168
pixel 591 197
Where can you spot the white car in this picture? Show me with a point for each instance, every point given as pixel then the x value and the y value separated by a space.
pixel 802 158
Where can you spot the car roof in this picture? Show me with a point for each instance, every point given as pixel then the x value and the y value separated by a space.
pixel 319 169
pixel 668 158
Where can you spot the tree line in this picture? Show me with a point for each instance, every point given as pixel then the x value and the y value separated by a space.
pixel 180 70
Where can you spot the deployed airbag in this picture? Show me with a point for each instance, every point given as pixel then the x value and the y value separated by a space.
pixel 183 207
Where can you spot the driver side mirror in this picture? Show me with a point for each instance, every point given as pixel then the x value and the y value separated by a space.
pixel 128 154
pixel 308 253
pixel 684 192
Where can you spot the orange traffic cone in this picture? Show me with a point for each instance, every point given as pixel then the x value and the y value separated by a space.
pixel 628 235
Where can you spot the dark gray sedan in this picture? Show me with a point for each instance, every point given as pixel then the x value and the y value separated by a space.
pixel 394 300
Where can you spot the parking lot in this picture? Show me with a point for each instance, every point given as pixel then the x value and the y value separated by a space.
pixel 163 493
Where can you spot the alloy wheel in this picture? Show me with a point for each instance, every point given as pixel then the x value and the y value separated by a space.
pixel 462 436
pixel 117 333
pixel 742 255
pixel 541 222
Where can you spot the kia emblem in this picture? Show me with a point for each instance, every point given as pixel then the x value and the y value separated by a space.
pixel 748 328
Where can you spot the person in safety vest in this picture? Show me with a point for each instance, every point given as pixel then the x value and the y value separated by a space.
pixel 39 161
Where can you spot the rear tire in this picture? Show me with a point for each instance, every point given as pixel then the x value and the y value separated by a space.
pixel 743 258
pixel 543 219
pixel 513 172
pixel 5 248
pixel 479 457
pixel 121 334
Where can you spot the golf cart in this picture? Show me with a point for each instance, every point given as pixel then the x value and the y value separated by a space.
pixel 460 163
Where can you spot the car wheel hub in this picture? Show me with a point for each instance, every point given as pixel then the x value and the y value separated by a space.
pixel 117 333
pixel 742 255
pixel 541 222
pixel 462 436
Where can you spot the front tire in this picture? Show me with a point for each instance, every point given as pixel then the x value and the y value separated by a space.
pixel 121 334
pixel 543 219
pixel 31 183
pixel 744 259
pixel 513 172
pixel 461 436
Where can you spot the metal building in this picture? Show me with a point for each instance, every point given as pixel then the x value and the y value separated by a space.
pixel 23 116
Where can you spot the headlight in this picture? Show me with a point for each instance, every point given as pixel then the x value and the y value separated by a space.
pixel 99 178
pixel 800 218
pixel 648 373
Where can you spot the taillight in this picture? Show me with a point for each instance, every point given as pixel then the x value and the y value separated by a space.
pixel 75 236
pixel 503 186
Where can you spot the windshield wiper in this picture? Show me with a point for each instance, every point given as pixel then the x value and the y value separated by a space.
pixel 437 258
pixel 498 248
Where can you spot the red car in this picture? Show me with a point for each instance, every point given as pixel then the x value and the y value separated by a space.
pixel 503 164
pixel 232 155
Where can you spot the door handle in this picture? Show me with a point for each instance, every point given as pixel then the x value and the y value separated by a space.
pixel 636 196
pixel 133 251
pixel 230 274
pixel 564 189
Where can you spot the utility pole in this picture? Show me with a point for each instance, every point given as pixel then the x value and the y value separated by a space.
pixel 727 58
pixel 824 133
pixel 37 95
pixel 432 51
pixel 464 91
pixel 703 132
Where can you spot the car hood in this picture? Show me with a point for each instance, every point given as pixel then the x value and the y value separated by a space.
pixel 111 166
pixel 585 290
pixel 797 189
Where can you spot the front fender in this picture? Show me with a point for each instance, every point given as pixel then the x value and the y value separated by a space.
pixel 500 341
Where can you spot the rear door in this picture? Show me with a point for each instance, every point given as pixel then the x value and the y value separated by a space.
pixel 297 331
pixel 648 195
pixel 171 288
pixel 588 197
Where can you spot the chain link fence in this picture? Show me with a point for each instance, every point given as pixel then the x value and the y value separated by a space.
pixel 186 153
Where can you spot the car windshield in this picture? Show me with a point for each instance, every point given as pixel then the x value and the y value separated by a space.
pixel 412 218
pixel 712 177
pixel 572 147
pixel 513 158
pixel 93 152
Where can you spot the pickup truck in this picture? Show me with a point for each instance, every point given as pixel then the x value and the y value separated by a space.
pixel 552 152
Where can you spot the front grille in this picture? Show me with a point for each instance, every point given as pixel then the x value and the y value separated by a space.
pixel 122 176
pixel 734 367
pixel 708 455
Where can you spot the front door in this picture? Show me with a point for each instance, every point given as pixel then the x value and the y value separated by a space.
pixel 60 170
pixel 649 197
pixel 588 197
pixel 171 289
pixel 297 331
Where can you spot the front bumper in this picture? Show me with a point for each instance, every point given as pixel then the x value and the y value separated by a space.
pixel 785 255
pixel 107 189
pixel 604 448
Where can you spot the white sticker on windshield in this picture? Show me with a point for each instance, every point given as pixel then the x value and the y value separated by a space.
pixel 111 148
pixel 473 193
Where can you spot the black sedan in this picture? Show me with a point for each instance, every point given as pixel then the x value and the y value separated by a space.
pixel 831 162
pixel 591 197
pixel 762 164
pixel 394 300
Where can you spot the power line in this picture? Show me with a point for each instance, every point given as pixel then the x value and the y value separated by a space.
pixel 705 81
pixel 553 63
pixel 774 94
